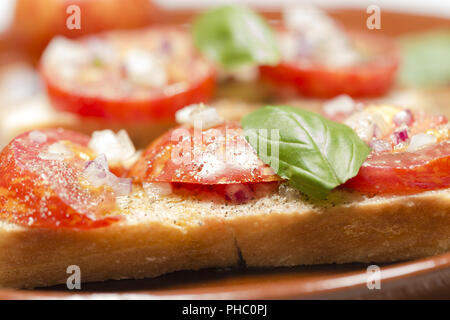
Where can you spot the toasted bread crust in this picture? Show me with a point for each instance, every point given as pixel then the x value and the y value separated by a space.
pixel 374 230
pixel 38 257
pixel 168 234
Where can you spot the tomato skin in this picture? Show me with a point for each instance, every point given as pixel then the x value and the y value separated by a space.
pixel 182 155
pixel 158 108
pixel 27 199
pixel 323 83
pixel 365 80
pixel 404 172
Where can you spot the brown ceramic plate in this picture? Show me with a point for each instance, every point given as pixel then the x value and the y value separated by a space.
pixel 427 278
pixel 424 278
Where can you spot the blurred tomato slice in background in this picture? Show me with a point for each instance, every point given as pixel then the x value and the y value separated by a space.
pixel 34 22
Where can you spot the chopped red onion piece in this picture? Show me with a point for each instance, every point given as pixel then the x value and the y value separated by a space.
pixel 121 186
pixel 380 145
pixel 377 133
pixel 98 174
pixel 238 193
pixel 37 136
pixel 88 163
pixel 117 147
pixel 157 188
pixel 367 126
pixel 190 115
pixel 305 48
pixel 400 136
pixel 403 117
pixel 420 141
pixel 342 104
pixel 56 151
pixel 96 171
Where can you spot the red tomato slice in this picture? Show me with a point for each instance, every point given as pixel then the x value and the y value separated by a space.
pixel 106 90
pixel 38 190
pixel 218 155
pixel 405 172
pixel 232 193
pixel 399 171
pixel 371 78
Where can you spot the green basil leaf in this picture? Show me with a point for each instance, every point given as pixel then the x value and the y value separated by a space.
pixel 315 154
pixel 426 59
pixel 233 36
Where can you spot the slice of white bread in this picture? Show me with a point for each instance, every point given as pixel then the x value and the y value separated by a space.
pixel 162 234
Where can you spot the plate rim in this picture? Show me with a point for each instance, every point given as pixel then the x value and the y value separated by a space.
pixel 282 289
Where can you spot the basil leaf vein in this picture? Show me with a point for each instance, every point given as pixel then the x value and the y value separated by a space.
pixel 314 154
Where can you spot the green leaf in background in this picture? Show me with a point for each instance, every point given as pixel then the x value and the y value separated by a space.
pixel 233 36
pixel 426 59
pixel 315 154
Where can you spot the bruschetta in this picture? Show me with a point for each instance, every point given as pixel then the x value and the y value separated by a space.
pixel 188 201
